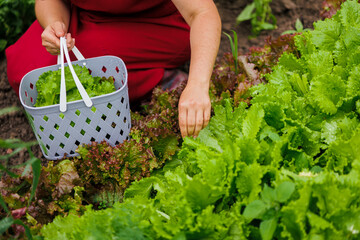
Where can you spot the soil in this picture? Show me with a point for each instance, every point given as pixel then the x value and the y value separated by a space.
pixel 285 11
pixel 15 125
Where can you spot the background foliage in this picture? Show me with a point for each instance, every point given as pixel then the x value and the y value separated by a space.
pixel 15 17
pixel 240 203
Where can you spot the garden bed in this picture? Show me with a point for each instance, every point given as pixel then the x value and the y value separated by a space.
pixel 295 146
pixel 15 125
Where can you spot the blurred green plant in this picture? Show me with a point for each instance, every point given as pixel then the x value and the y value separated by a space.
pixel 299 28
pixel 15 17
pixel 234 49
pixel 260 15
pixel 13 147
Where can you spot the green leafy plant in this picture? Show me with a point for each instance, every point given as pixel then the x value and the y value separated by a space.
pixel 287 167
pixel 251 68
pixel 259 13
pixel 234 49
pixel 117 223
pixel 154 139
pixel 274 169
pixel 268 207
pixel 267 57
pixel 13 147
pixel 15 17
pixel 299 28
pixel 48 86
pixel 68 186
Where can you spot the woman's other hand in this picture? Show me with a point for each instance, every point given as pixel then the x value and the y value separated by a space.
pixel 194 110
pixel 51 37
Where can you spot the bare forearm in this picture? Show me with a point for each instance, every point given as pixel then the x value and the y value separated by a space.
pixel 205 32
pixel 51 11
pixel 205 36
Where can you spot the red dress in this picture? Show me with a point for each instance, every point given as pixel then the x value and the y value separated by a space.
pixel 148 36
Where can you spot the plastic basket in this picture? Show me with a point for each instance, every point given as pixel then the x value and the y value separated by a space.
pixel 60 133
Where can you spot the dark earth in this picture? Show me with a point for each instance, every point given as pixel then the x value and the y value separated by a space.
pixel 15 124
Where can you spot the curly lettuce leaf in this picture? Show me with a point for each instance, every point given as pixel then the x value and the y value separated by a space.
pixel 48 86
pixel 326 33
pixel 328 91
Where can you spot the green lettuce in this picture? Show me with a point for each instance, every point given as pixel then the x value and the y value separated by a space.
pixel 286 167
pixel 48 86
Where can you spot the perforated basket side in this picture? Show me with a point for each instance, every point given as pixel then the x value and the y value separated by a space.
pixel 61 133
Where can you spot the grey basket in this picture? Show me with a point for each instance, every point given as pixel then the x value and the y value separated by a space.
pixel 60 133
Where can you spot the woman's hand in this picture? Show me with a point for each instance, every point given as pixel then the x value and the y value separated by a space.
pixel 54 17
pixel 51 37
pixel 194 110
pixel 205 33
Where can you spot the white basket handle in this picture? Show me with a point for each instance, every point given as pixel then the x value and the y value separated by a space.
pixel 80 87
pixel 76 52
pixel 62 82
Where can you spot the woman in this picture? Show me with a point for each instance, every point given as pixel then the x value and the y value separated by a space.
pixel 150 36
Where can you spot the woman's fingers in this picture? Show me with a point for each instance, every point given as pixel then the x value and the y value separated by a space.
pixel 182 120
pixel 70 42
pixel 59 29
pixel 52 46
pixel 190 121
pixel 53 51
pixel 207 115
pixel 51 38
pixel 199 122
pixel 194 111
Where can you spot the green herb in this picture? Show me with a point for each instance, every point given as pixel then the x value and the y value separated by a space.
pixel 234 49
pixel 299 28
pixel 259 12
pixel 13 147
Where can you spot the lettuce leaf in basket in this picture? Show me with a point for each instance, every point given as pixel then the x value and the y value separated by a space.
pixel 48 86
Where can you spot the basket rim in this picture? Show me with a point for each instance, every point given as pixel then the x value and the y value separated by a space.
pixel 76 102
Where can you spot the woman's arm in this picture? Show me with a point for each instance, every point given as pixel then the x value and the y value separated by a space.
pixel 205 32
pixel 54 17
